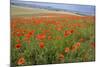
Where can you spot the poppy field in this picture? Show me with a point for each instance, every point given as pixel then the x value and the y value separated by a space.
pixel 52 38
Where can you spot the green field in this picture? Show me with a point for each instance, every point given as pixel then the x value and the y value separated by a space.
pixel 40 36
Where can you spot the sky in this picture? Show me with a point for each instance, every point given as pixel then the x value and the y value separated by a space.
pixel 84 2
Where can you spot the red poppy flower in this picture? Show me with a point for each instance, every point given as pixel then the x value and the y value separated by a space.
pixel 41 44
pixel 19 34
pixel 68 32
pixel 28 36
pixel 21 61
pixel 71 31
pixel 38 21
pixel 18 46
pixel 41 36
pixel 76 46
pixel 31 33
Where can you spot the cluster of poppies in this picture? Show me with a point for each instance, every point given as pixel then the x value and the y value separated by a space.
pixel 41 30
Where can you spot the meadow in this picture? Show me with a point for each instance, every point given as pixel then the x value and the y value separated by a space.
pixel 51 38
